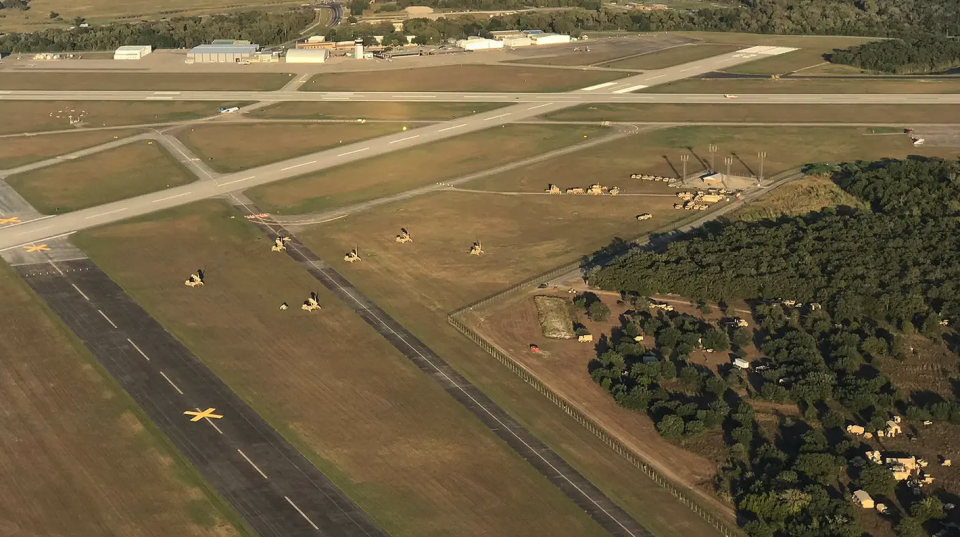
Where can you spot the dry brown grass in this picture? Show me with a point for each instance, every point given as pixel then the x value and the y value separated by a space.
pixel 121 173
pixel 673 56
pixel 422 281
pixel 78 458
pixel 802 196
pixel 800 86
pixel 16 152
pixel 763 113
pixel 373 110
pixel 396 443
pixel 37 116
pixel 46 80
pixel 423 165
pixel 231 148
pixel 658 152
pixel 492 78
pixel 101 11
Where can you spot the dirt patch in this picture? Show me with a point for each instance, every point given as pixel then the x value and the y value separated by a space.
pixel 492 78
pixel 556 321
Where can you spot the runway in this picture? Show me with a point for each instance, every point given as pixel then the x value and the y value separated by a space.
pixel 265 479
pixel 574 485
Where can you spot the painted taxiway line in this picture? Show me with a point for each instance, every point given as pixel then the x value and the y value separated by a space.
pixel 168 198
pixel 599 86
pixel 497 117
pixel 236 181
pixel 106 213
pixel 631 88
pixel 33 231
pixel 404 139
pixel 454 127
pixel 539 106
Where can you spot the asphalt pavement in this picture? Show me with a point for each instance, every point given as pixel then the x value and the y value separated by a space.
pixel 574 485
pixel 265 479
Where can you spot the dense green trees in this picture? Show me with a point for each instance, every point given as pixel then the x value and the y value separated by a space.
pixel 924 54
pixel 264 28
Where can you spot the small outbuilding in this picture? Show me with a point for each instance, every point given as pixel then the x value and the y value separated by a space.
pixel 307 55
pixel 132 52
pixel 741 363
pixel 863 499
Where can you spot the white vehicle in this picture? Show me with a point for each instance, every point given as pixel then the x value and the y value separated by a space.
pixel 230 110
pixel 918 141
pixel 728 96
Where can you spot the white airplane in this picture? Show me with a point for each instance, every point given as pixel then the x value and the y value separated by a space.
pixel 230 110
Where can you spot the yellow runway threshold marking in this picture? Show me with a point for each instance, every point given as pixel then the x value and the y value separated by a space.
pixel 10 220
pixel 37 248
pixel 201 414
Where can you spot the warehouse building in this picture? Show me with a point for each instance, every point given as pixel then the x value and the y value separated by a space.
pixel 132 52
pixel 549 39
pixel 479 43
pixel 502 35
pixel 216 53
pixel 307 55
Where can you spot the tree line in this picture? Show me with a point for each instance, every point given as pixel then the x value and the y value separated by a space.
pixel 866 277
pixel 264 28
pixel 919 55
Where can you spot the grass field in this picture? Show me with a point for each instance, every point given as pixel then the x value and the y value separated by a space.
pixel 424 165
pixel 102 11
pixel 762 113
pixel 673 56
pixel 142 81
pixel 798 197
pixel 38 116
pixel 812 49
pixel 231 148
pixel 794 86
pixel 121 173
pixel 492 78
pixel 413 111
pixel 576 58
pixel 422 281
pixel 658 152
pixel 18 151
pixel 396 443
pixel 79 458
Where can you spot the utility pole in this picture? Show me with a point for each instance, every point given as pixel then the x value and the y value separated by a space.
pixel 684 158
pixel 762 155
pixel 713 153
pixel 729 162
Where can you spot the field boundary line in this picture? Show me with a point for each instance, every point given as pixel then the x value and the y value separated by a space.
pixel 456 320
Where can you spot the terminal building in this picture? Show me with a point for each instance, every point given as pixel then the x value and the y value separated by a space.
pixel 132 52
pixel 224 53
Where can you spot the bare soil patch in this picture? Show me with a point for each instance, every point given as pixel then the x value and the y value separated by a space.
pixel 554 314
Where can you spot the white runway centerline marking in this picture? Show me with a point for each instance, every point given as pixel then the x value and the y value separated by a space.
pixel 497 117
pixel 155 98
pixel 138 349
pixel 296 166
pixel 255 467
pixel 166 93
pixel 454 127
pixel 689 68
pixel 81 292
pixel 539 106
pixel 236 181
pixel 405 139
pixel 631 88
pixel 598 86
pixel 106 213
pixel 107 318
pixel 336 98
pixel 656 77
pixel 171 383
pixel 172 197
pixel 352 152
pixel 415 96
pixel 304 515
pixel 214 425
